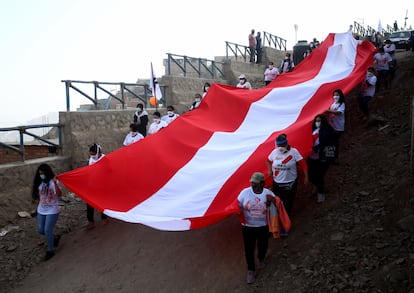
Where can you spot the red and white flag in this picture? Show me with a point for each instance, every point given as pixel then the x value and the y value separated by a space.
pixel 154 85
pixel 189 175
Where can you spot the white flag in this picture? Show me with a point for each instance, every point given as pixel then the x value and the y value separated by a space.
pixel 154 86
pixel 379 27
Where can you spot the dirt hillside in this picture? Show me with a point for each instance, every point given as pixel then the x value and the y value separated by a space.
pixel 359 240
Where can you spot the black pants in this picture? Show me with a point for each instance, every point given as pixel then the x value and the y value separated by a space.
pixel 382 80
pixel 363 102
pixel 317 170
pixel 251 236
pixel 286 192
pixel 90 214
pixel 252 54
pixel 337 136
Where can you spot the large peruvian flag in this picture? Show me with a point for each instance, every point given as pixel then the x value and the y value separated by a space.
pixel 189 174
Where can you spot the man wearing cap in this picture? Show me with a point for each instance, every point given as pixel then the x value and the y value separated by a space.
pixel 243 83
pixel 253 202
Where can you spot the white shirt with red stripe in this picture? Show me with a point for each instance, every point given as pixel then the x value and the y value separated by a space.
pixel 284 165
pixel 253 207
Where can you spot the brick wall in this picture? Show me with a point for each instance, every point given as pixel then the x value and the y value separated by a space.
pixel 30 152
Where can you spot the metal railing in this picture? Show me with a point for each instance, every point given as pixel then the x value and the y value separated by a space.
pixel 125 89
pixel 238 51
pixel 191 66
pixel 23 131
pixel 273 41
pixel 358 29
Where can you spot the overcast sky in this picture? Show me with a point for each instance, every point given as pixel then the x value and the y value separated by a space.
pixel 46 41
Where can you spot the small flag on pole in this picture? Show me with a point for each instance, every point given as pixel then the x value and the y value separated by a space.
pixel 154 86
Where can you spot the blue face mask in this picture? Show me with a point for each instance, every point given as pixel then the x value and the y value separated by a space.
pixel 42 176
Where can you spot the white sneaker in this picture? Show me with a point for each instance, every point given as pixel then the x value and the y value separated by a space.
pixel 320 198
pixel 250 277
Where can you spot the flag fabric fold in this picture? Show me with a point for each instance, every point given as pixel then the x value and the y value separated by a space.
pixel 188 175
pixel 154 85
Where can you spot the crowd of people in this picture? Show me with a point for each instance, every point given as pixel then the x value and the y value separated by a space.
pixel 285 163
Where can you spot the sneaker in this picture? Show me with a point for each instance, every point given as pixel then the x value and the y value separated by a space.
pixel 284 234
pixel 250 277
pixel 48 255
pixel 261 265
pixel 320 198
pixel 56 240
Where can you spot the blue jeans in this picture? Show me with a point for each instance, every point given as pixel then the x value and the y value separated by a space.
pixel 46 226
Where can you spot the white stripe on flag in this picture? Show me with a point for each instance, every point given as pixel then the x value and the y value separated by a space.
pixel 227 151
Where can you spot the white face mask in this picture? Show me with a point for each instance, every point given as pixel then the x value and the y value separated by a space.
pixel 370 74
pixel 170 113
pixel 336 98
pixel 317 124
pixel 197 100
pixel 95 157
pixel 139 109
pixel 206 88
pixel 242 81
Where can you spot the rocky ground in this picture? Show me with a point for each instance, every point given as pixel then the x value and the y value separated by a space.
pixel 359 240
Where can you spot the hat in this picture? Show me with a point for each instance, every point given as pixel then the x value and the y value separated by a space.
pixel 257 177
pixel 281 139
pixel 242 76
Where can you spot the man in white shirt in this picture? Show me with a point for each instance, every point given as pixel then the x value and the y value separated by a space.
pixel 171 115
pixel 157 124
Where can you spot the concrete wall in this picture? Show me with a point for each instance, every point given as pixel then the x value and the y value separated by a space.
pixel 82 129
pixel 19 175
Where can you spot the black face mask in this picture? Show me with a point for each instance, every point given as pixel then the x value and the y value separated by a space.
pixel 257 188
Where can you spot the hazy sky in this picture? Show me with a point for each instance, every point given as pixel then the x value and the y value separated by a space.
pixel 46 41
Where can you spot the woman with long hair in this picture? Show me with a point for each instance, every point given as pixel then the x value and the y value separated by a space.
pixel 46 191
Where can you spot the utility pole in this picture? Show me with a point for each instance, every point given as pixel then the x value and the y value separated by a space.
pixel 405 19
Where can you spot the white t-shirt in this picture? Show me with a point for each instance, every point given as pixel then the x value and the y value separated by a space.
pixel 368 87
pixel 245 85
pixel 132 137
pixel 389 48
pixel 338 121
pixel 155 127
pixel 253 207
pixel 382 61
pixel 270 74
pixel 93 160
pixel 167 118
pixel 48 198
pixel 284 165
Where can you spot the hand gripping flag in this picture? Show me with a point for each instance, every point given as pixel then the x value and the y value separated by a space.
pixel 189 175
pixel 154 86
